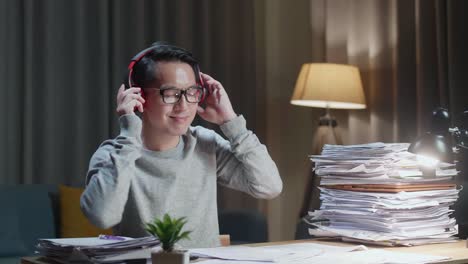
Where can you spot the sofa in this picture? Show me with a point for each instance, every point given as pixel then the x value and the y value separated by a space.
pixel 33 211
pixel 29 212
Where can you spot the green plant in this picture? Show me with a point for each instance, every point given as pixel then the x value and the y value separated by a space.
pixel 168 230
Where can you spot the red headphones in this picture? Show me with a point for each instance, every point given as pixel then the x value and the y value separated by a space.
pixel 143 53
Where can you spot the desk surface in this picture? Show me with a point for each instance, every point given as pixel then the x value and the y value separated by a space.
pixel 458 252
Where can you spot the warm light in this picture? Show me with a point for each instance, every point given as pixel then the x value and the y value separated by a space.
pixel 427 161
pixel 328 85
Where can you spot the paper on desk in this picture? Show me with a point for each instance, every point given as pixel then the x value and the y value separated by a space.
pixel 424 236
pixel 82 241
pixel 375 163
pixel 374 256
pixel 376 216
pixel 97 250
pixel 304 252
pixel 307 247
pixel 276 253
pixel 223 261
pixel 401 215
pixel 144 253
pixel 237 253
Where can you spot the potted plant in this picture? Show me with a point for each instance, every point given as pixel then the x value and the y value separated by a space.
pixel 169 232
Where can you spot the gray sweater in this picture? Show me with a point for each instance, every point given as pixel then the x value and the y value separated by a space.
pixel 128 185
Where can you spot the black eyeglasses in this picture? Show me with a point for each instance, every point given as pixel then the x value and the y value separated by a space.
pixel 170 95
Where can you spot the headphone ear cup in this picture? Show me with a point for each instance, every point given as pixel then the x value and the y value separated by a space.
pixel 204 94
pixel 125 80
pixel 143 95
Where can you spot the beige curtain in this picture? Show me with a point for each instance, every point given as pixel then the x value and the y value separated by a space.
pixel 405 51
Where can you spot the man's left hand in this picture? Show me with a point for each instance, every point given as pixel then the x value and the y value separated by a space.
pixel 218 108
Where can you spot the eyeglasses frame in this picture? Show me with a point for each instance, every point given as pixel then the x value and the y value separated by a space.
pixel 183 92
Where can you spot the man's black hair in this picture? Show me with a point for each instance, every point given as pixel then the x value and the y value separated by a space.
pixel 145 69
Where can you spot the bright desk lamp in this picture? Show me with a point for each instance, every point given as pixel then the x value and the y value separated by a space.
pixel 433 146
pixel 436 145
pixel 430 149
pixel 328 85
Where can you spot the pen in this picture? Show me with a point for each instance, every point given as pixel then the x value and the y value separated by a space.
pixel 111 237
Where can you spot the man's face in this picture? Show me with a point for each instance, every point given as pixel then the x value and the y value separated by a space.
pixel 170 119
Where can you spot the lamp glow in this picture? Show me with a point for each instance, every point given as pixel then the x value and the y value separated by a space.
pixel 427 161
pixel 430 147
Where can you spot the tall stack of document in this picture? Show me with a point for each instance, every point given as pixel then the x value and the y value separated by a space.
pixel 375 193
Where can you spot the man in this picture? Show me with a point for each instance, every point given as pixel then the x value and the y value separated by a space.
pixel 160 164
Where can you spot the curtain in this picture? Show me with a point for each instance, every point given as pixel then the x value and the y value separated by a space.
pixel 410 54
pixel 63 62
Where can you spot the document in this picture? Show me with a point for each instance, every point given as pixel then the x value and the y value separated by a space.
pixel 237 253
pixel 276 254
pixel 375 193
pixel 374 256
pixel 374 163
pixel 97 250
pixel 306 253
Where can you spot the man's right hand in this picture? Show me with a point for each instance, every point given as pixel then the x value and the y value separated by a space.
pixel 128 100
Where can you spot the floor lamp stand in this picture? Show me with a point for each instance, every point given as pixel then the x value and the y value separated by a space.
pixel 327 132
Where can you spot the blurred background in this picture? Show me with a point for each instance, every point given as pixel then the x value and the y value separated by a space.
pixel 63 61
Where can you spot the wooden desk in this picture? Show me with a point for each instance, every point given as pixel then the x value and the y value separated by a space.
pixel 458 252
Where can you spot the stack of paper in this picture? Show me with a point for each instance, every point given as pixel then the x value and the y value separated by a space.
pixel 97 250
pixel 374 163
pixel 375 193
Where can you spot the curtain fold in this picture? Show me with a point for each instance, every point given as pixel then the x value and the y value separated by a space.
pixel 403 50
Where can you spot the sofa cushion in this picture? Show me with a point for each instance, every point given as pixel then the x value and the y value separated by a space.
pixel 10 260
pixel 28 216
pixel 73 221
pixel 11 243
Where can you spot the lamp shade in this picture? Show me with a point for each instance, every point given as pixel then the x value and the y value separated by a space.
pixel 329 85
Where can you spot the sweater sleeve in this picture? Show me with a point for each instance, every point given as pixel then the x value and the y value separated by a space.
pixel 243 163
pixel 109 174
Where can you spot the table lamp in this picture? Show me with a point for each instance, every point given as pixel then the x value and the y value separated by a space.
pixel 438 145
pixel 328 85
pixel 434 145
pixel 430 149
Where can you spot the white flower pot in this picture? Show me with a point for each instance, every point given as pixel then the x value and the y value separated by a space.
pixel 174 257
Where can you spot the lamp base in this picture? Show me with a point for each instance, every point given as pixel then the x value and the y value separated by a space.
pixel 327 120
pixel 327 132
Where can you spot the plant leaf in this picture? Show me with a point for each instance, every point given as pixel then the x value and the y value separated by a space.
pixel 168 230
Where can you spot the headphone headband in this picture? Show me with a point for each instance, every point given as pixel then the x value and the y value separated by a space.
pixel 134 61
pixel 145 52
